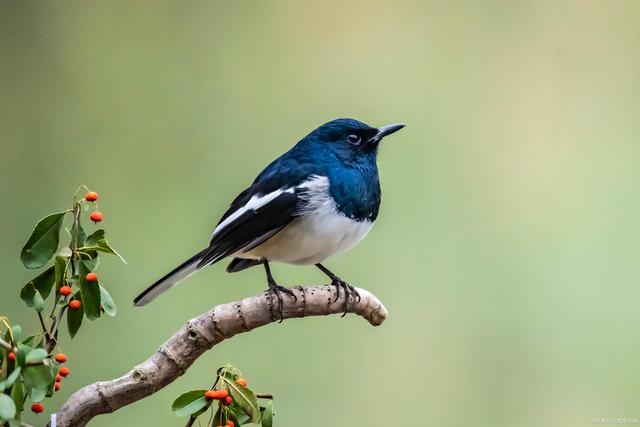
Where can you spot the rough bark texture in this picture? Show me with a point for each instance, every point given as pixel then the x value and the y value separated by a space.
pixel 200 334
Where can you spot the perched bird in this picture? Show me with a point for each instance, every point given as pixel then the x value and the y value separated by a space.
pixel 318 199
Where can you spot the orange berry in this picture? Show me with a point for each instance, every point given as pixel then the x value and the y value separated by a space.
pixel 65 290
pixel 64 371
pixel 57 386
pixel 91 196
pixel 12 356
pixel 228 400
pixel 96 216
pixel 91 277
pixel 242 382
pixel 37 408
pixel 60 357
pixel 58 378
pixel 75 304
pixel 216 394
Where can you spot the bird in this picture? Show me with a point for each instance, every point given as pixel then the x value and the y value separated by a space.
pixel 317 200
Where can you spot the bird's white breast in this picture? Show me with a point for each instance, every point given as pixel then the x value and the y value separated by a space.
pixel 319 232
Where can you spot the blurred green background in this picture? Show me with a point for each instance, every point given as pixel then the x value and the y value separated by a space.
pixel 507 246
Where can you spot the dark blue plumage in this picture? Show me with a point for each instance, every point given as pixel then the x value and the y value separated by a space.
pixel 318 199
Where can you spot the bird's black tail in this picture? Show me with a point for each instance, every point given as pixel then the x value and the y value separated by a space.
pixel 178 274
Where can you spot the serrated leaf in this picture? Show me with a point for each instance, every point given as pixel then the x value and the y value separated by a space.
pixel 267 415
pixel 189 403
pixel 107 302
pixel 36 355
pixel 43 242
pixel 98 242
pixel 42 283
pixel 38 302
pixel 245 399
pixel 74 318
pixel 7 407
pixel 90 294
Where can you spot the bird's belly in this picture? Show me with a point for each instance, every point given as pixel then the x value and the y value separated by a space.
pixel 312 238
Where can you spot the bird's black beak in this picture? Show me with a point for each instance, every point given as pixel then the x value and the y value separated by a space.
pixel 387 130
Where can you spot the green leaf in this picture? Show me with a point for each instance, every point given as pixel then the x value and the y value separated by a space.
pixel 37 394
pixel 90 293
pixel 13 377
pixel 267 415
pixel 17 394
pixel 43 242
pixel 74 318
pixel 189 403
pixel 245 399
pixel 107 302
pixel 43 284
pixel 36 355
pixel 90 259
pixel 60 267
pixel 81 235
pixel 98 242
pixel 38 302
pixel 39 377
pixel 7 407
pixel 17 332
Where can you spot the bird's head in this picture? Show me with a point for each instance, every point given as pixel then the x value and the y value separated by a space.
pixel 350 138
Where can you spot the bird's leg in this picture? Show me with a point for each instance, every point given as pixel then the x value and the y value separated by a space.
pixel 339 283
pixel 276 289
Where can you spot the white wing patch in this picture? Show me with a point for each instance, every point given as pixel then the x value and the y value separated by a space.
pixel 256 202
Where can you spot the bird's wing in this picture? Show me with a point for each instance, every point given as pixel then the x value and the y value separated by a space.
pixel 253 217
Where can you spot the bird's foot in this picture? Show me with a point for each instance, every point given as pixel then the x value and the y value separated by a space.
pixel 348 291
pixel 276 291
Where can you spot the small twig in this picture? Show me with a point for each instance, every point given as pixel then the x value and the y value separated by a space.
pixel 199 335
pixel 6 345
pixel 264 396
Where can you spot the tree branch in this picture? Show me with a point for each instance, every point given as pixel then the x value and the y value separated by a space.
pixel 200 334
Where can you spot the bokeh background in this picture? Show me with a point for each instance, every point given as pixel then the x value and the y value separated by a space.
pixel 507 246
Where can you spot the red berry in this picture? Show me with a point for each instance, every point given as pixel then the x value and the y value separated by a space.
pixel 230 423
pixel 228 400
pixel 12 356
pixel 242 382
pixel 60 357
pixel 75 304
pixel 96 216
pixel 65 290
pixel 91 196
pixel 37 408
pixel 58 378
pixel 57 386
pixel 91 277
pixel 64 371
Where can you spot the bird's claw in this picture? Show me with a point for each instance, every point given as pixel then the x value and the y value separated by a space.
pixel 348 291
pixel 277 291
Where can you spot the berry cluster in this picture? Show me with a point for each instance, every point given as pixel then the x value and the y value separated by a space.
pixel 63 372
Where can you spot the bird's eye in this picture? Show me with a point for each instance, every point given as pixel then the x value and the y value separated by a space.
pixel 353 139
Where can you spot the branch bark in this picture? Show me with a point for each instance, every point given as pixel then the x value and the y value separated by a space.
pixel 200 334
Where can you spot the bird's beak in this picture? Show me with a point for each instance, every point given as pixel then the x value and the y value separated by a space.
pixel 388 130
